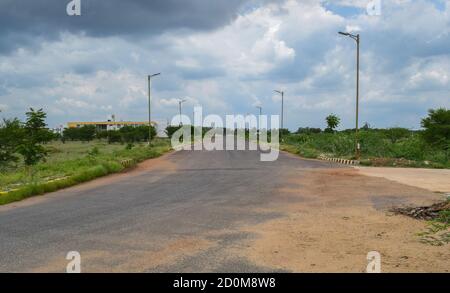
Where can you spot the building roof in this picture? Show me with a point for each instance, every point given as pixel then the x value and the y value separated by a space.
pixel 76 124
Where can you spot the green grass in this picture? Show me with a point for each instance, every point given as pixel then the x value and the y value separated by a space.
pixel 438 231
pixel 377 148
pixel 75 162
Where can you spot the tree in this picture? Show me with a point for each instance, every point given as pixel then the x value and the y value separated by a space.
pixel 284 132
pixel 397 133
pixel 333 122
pixel 114 136
pixel 86 133
pixel 70 134
pixel 308 130
pixel 437 128
pixel 366 126
pixel 35 134
pixel 11 136
pixel 170 130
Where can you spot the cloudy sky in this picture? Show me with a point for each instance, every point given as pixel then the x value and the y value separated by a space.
pixel 227 56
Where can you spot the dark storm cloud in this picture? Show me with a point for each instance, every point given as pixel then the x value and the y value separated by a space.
pixel 21 21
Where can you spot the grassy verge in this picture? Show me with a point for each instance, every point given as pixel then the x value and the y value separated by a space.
pixel 377 148
pixel 73 163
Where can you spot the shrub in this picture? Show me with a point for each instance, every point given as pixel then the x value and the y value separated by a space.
pixel 397 133
pixel 35 134
pixel 308 130
pixel 11 135
pixel 437 129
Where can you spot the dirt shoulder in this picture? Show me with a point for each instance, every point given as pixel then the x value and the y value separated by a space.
pixel 435 180
pixel 335 217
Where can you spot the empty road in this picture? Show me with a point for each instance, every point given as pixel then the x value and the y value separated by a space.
pixel 221 211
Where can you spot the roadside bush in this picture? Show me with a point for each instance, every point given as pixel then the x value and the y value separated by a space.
pixel 397 133
pixel 437 129
pixel 308 130
pixel 374 144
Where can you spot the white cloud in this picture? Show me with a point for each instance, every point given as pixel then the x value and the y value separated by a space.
pixel 292 45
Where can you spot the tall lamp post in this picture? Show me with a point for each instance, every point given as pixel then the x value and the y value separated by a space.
pixel 260 114
pixel 282 107
pixel 149 106
pixel 260 110
pixel 180 102
pixel 357 39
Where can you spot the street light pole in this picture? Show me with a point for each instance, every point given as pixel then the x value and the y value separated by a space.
pixel 357 145
pixel 179 105
pixel 282 107
pixel 260 114
pixel 358 148
pixel 149 106
pixel 260 110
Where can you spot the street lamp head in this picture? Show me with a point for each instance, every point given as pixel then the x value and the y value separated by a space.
pixel 354 37
pixel 280 92
pixel 153 75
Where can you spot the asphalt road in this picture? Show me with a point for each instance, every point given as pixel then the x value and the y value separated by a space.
pixel 160 219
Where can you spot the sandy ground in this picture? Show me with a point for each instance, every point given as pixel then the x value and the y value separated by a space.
pixel 331 226
pixel 431 179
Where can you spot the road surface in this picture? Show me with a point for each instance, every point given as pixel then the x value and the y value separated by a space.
pixel 221 211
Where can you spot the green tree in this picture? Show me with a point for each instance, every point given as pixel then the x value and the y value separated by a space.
pixel 86 133
pixel 114 136
pixel 11 136
pixel 170 130
pixel 333 122
pixel 70 134
pixel 35 134
pixel 397 133
pixel 284 132
pixel 308 130
pixel 437 129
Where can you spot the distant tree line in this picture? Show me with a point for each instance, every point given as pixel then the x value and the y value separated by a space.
pixel 127 134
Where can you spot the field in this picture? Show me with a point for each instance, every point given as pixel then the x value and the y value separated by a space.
pixel 73 162
pixel 378 148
